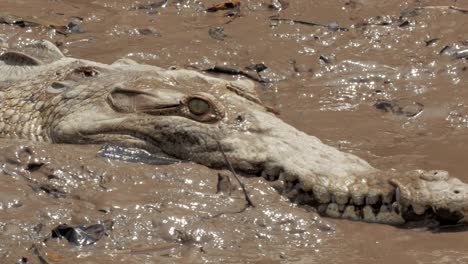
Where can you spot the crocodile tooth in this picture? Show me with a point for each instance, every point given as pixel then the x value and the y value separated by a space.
pixel 321 194
pixel 322 208
pixel 333 211
pixel 397 194
pixel 373 197
pixel 387 197
pixel 341 207
pixel 358 193
pixel 368 214
pixel 387 216
pixel 418 209
pixel 282 176
pixel 350 213
pixel 271 173
pixel 304 197
pixel 358 199
pixel 293 192
pixel 384 209
pixel 396 207
pixel 340 198
pixel 288 186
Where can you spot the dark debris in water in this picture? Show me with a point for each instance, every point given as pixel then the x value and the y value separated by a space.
pixel 431 41
pixel 22 260
pixel 327 58
pixel 149 31
pixel 235 12
pixel 224 6
pixel 74 27
pixel 217 33
pixel 278 5
pixel 454 50
pixel 79 235
pixel 400 107
pixel 331 26
pixel 135 155
pixel 461 54
pixel 258 67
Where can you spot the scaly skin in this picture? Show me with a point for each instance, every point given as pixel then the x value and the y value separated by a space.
pixel 185 114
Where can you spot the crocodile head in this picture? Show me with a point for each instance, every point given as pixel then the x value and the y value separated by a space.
pixel 192 116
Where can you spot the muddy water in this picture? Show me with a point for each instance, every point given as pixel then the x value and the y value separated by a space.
pixel 323 80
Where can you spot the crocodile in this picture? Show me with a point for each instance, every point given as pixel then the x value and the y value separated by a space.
pixel 49 97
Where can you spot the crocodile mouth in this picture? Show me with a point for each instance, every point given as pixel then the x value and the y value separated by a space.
pixel 377 208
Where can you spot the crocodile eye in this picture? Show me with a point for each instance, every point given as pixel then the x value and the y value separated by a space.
pixel 198 106
pixel 202 107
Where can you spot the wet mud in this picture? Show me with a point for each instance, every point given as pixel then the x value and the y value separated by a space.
pixel 386 81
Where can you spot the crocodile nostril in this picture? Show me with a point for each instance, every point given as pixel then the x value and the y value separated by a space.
pixel 456 191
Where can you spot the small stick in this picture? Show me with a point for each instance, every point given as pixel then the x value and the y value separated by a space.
pixel 456 8
pixel 246 195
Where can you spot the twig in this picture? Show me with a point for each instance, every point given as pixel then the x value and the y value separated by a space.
pixel 463 10
pixel 298 21
pixel 456 8
pixel 246 195
pixel 38 252
pixel 332 26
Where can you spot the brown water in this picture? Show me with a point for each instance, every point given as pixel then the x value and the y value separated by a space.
pixel 175 213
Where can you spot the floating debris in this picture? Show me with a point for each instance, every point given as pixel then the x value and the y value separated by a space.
pixel 233 12
pixel 79 235
pixel 278 5
pixel 149 32
pixel 300 67
pixel 400 107
pixel 74 27
pixel 454 51
pixel 432 41
pixel 456 8
pixel 327 58
pixel 258 67
pixel 217 33
pixel 461 54
pixel 224 6
pixel 332 26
